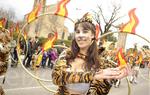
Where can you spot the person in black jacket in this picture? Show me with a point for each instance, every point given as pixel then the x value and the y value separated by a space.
pixel 28 56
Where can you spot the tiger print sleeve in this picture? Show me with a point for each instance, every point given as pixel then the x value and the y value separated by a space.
pixel 102 86
pixel 60 76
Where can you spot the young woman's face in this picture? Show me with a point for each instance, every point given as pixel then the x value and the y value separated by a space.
pixel 83 37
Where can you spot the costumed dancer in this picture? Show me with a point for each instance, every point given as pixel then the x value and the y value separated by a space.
pixel 83 71
pixel 4 54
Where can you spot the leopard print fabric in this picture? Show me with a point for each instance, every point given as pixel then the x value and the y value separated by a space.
pixel 97 87
pixel 4 51
pixel 4 54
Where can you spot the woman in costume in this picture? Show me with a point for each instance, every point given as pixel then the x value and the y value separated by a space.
pixel 83 71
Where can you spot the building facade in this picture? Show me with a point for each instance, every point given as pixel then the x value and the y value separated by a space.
pixel 47 22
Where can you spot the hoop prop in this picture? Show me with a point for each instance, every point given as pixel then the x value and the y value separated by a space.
pixel 45 80
pixel 102 36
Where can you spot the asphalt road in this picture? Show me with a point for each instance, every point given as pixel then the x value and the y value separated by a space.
pixel 18 82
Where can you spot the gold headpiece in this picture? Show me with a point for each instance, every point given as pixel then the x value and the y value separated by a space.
pixel 86 18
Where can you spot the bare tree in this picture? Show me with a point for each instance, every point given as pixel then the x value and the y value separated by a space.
pixel 100 17
pixel 9 14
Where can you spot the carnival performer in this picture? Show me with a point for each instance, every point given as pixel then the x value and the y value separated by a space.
pixel 4 53
pixel 134 68
pixel 82 71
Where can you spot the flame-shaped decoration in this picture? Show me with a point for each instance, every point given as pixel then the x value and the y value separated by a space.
pixel 50 42
pixel 97 31
pixel 47 45
pixel 33 14
pixel 2 22
pixel 61 8
pixel 131 25
pixel 121 58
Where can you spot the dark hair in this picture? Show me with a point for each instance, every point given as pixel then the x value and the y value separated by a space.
pixel 36 37
pixel 92 54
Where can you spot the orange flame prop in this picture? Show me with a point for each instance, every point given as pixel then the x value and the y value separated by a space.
pixel 50 42
pixel 121 58
pixel 33 14
pixel 61 8
pixel 131 25
pixel 47 45
pixel 2 22
pixel 97 31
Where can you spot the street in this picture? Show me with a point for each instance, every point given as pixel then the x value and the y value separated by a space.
pixel 18 82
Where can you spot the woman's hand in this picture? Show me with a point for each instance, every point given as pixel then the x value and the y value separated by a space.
pixel 124 71
pixel 111 73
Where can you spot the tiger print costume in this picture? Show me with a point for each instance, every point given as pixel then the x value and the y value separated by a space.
pixel 4 53
pixel 97 87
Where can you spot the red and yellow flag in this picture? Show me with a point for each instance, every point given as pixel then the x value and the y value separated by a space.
pixel 61 8
pixel 2 22
pixel 130 25
pixel 50 42
pixel 121 58
pixel 33 14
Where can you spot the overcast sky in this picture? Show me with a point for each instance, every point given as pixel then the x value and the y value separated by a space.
pixel 76 8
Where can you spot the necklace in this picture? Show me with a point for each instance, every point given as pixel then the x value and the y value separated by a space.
pixel 82 56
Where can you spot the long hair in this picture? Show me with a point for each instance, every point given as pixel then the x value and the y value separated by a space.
pixel 92 54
